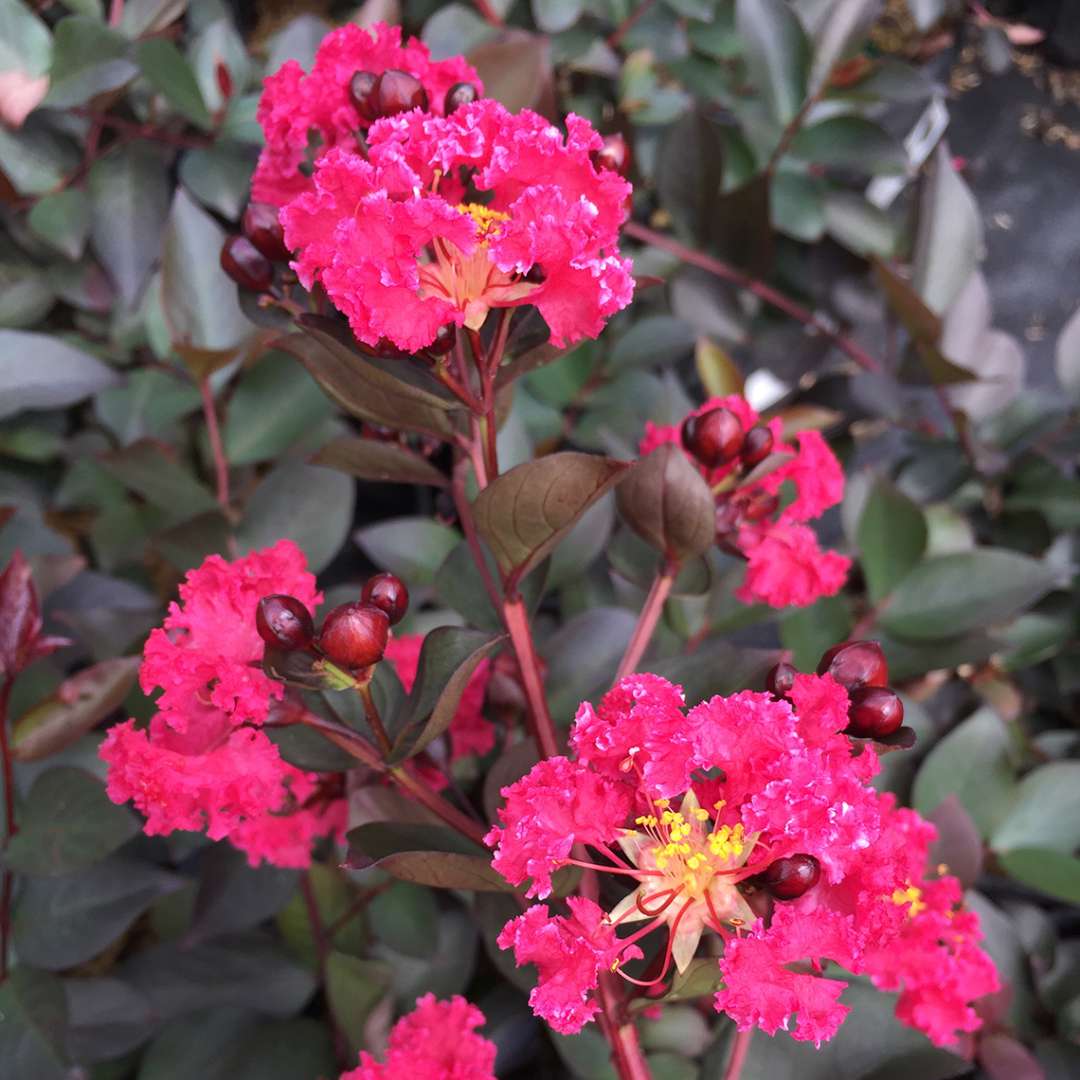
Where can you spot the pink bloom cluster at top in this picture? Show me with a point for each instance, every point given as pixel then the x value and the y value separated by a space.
pixel 204 762
pixel 436 1041
pixel 785 565
pixel 299 110
pixel 691 806
pixel 404 245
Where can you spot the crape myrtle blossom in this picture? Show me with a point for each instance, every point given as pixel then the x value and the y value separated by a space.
pixel 204 761
pixel 785 564
pixel 302 114
pixel 688 808
pixel 448 217
pixel 436 1041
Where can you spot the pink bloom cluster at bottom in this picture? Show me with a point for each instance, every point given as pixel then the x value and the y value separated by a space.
pixel 436 1041
pixel 204 761
pixel 689 807
pixel 785 564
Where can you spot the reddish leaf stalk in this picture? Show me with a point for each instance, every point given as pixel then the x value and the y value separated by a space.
pixel 217 448
pixel 620 31
pixel 10 828
pixel 647 620
pixel 322 952
pixel 457 487
pixel 517 625
pixel 762 291
pixel 740 1048
pixel 489 14
pixel 371 712
pixel 626 1053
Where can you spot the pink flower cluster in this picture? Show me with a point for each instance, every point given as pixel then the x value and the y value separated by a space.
pixel 785 565
pixel 436 1041
pixel 298 110
pixel 204 762
pixel 689 807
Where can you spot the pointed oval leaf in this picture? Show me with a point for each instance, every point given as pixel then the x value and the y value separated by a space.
pixel 382 462
pixel 891 537
pixel 1045 812
pixel 776 53
pixel 524 513
pixel 667 502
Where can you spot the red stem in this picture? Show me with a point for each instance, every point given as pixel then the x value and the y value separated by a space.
pixel 116 12
pixel 457 487
pixel 517 624
pixel 764 292
pixel 615 38
pixel 322 952
pixel 647 620
pixel 10 828
pixel 489 14
pixel 217 448
pixel 626 1054
pixel 739 1050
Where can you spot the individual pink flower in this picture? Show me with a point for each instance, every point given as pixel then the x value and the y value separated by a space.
pixel 569 954
pixel 470 731
pixel 208 651
pixel 402 254
pixel 203 762
pixel 436 1041
pixel 785 565
pixel 711 799
pixel 298 111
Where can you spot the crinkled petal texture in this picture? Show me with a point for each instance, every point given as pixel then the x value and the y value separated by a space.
pixel 401 255
pixel 200 764
pixel 208 651
pixel 298 110
pixel 569 954
pixel 557 804
pixel 470 731
pixel 787 568
pixel 436 1041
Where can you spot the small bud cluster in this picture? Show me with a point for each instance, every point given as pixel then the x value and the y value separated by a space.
pixel 354 636
pixel 249 257
pixel 875 710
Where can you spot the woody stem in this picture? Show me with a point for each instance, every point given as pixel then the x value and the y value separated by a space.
pixel 517 624
pixel 649 617
pixel 371 712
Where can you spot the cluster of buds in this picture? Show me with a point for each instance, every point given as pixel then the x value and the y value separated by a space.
pixel 875 710
pixel 249 257
pixel 393 91
pixel 353 636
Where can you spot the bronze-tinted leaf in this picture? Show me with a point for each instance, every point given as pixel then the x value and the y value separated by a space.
pixel 667 502
pixel 387 462
pixel 524 513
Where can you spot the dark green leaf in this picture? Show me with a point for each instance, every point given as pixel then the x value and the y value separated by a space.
pixel 690 172
pixel 406 917
pixel 412 547
pixel 459 586
pixel 554 16
pixel 1045 811
pixel 145 468
pixel 1053 872
pixel 89 58
pixel 809 631
pixel 219 176
pixel 166 69
pixel 62 220
pixel 67 823
pixel 953 594
pixel 334 898
pixel 64 921
pixel 146 404
pixel 35 159
pixel 838 31
pixel 715 667
pixel 583 544
pixel 354 987
pixel 850 142
pixel 26 295
pixel 583 655
pixel 971 762
pixel 82 701
pixel 41 371
pixel 859 225
pixel 448 658
pixel 1067 356
pixel 891 536
pixel 776 54
pixel 311 506
pixel 33 1026
pixel 129 204
pixel 654 341
pixel 372 459
pixel 667 502
pixel 797 206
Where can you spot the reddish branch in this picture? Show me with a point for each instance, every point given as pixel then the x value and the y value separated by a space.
pixel 217 448
pixel 10 828
pixel 647 620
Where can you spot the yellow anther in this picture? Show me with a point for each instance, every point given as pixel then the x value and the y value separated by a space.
pixel 663 803
pixel 488 222
pixel 911 897
pixel 701 815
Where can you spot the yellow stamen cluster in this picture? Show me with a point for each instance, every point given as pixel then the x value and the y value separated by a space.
pixel 488 222
pixel 683 848
pixel 910 897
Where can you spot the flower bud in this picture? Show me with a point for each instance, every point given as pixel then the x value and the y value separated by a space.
pixel 780 680
pixel 387 592
pixel 855 663
pixel 246 265
pixel 875 711
pixel 445 337
pixel 713 438
pixel 284 623
pixel 398 91
pixel 355 635
pixel 224 79
pixel 261 226
pixel 459 94
pixel 790 878
pixel 615 154
pixel 757 446
pixel 362 95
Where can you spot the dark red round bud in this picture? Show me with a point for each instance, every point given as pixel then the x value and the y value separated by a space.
pixel 714 437
pixel 462 93
pixel 355 635
pixel 362 95
pixel 261 226
pixel 757 446
pixel 781 679
pixel 389 593
pixel 760 506
pixel 856 663
pixel 398 92
pixel 614 155
pixel 246 265
pixel 790 878
pixel 875 711
pixel 284 622
pixel 536 275
pixel 445 337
